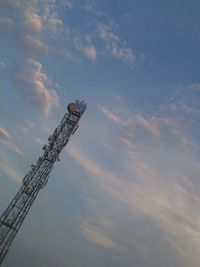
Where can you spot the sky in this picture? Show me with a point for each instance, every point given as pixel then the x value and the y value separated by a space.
pixel 127 190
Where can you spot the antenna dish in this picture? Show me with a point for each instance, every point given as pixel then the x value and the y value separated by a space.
pixel 72 107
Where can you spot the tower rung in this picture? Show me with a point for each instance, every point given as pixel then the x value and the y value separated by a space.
pixel 8 225
pixel 14 215
pixel 71 122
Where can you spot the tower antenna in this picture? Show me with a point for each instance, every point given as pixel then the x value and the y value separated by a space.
pixel 37 177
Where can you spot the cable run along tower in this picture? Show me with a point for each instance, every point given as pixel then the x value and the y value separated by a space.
pixel 37 177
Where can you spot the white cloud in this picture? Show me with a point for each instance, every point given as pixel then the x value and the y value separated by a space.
pixel 27 126
pixel 90 52
pixel 4 133
pixel 39 141
pixel 148 125
pixel 35 84
pixel 83 43
pixel 11 145
pixel 32 21
pixel 114 45
pixel 171 204
pixel 11 171
pixel 165 130
pixel 34 43
pixel 135 121
pixel 97 235
pixel 8 142
pixel 154 182
pixel 194 87
pixel 112 116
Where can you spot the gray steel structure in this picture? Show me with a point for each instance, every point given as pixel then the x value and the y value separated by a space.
pixel 36 179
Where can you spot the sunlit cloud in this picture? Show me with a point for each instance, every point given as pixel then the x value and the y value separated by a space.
pixel 151 192
pixel 4 133
pixel 112 116
pixel 90 52
pixel 11 145
pixel 97 235
pixel 139 196
pixel 114 45
pixel 8 142
pixel 162 129
pixel 11 171
pixel 39 141
pixel 35 83
pixel 27 126
pixel 32 20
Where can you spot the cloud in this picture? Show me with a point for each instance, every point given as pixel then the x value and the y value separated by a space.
pixel 112 182
pixel 32 21
pixel 84 43
pixel 165 130
pixel 114 45
pixel 96 235
pixel 39 29
pixel 39 141
pixel 8 142
pixel 194 87
pixel 34 82
pixel 27 126
pixel 184 101
pixel 148 125
pixel 11 171
pixel 169 203
pixel 112 116
pixel 11 145
pixel 155 185
pixel 90 52
pixel 134 122
pixel 34 43
pixel 4 133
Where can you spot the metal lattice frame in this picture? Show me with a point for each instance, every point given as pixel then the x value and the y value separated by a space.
pixel 36 179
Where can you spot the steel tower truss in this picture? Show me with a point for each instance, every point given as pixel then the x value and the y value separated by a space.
pixel 36 179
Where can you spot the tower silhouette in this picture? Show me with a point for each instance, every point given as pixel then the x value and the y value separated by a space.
pixel 37 177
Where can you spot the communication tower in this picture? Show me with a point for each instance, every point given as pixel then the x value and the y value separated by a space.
pixel 37 177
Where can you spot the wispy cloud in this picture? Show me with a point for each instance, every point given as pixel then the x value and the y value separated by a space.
pixel 34 22
pixel 8 142
pixel 11 171
pixel 34 82
pixel 160 128
pixel 97 235
pixel 112 116
pixel 27 126
pixel 4 133
pixel 11 145
pixel 153 182
pixel 84 43
pixel 184 100
pixel 114 45
pixel 170 204
pixel 39 141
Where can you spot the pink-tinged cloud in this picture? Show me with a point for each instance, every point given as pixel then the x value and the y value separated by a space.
pixel 116 47
pixel 4 133
pixel 35 85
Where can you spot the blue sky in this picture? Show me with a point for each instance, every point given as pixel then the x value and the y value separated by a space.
pixel 126 191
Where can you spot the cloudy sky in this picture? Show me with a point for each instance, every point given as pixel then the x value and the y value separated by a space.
pixel 127 189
